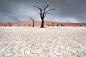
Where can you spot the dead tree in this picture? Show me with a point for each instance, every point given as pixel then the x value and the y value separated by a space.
pixel 33 21
pixel 80 25
pixel 43 13
pixel 9 23
pixel 57 24
pixel 17 24
pixel 61 24
pixel 5 25
pixel 48 25
pixel 53 24
pixel 24 24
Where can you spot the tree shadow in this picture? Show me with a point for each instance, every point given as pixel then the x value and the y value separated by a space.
pixel 42 27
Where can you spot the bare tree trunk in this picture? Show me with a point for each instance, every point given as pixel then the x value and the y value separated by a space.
pixel 9 23
pixel 53 24
pixel 33 23
pixel 42 25
pixel 43 13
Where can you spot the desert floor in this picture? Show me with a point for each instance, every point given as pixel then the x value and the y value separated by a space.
pixel 42 42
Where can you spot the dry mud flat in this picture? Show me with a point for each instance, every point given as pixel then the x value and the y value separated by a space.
pixel 42 42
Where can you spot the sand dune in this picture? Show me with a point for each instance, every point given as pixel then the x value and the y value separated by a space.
pixel 38 23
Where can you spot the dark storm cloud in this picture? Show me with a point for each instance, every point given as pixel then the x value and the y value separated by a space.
pixel 73 8
pixel 21 10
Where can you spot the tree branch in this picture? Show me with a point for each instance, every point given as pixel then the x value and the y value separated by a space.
pixel 38 13
pixel 46 13
pixel 36 7
pixel 45 7
pixel 32 19
pixel 50 10
pixel 43 11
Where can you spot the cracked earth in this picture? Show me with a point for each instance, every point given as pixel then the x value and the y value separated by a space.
pixel 42 42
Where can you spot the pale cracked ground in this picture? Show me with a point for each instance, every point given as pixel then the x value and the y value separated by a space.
pixel 43 42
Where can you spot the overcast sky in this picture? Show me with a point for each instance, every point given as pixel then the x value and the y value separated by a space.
pixel 21 10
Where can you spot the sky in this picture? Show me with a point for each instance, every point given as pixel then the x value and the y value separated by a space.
pixel 73 11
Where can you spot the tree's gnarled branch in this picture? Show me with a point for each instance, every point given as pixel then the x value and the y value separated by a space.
pixel 36 7
pixel 43 11
pixel 45 7
pixel 46 13
pixel 39 9
pixel 39 13
pixel 42 7
pixel 32 19
pixel 50 10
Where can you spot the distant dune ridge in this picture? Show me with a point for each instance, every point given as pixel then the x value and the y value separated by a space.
pixel 38 23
